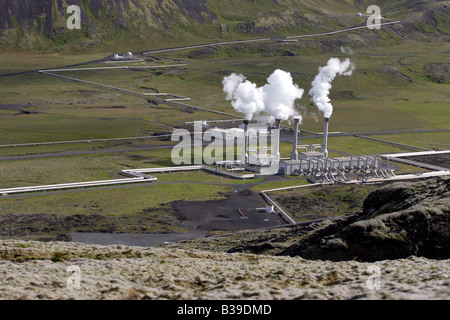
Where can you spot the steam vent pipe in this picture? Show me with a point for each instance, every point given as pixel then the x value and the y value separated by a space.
pixel 325 137
pixel 244 158
pixel 294 153
pixel 277 139
pixel 277 124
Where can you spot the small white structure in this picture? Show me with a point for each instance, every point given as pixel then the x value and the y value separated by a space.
pixel 118 57
pixel 267 209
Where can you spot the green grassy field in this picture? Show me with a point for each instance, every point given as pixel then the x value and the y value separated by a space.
pixel 111 201
pixel 201 176
pixel 316 202
pixel 134 209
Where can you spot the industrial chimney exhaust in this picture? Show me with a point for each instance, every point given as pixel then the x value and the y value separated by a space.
pixel 244 157
pixel 325 138
pixel 276 143
pixel 294 153
pixel 277 123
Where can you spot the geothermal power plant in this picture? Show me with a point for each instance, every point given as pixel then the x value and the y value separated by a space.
pixel 273 103
pixel 308 160
pixel 258 138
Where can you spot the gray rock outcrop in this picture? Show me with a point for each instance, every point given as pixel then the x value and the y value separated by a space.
pixel 397 221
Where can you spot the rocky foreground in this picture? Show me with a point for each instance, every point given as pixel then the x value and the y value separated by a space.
pixel 397 247
pixel 397 220
pixel 35 270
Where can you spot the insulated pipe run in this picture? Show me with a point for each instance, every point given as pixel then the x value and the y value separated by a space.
pixel 325 138
pixel 294 153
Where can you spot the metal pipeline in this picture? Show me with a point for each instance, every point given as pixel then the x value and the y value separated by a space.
pixel 303 147
pixel 320 161
pixel 309 165
pixel 331 167
pixel 372 163
pixel 340 166
pixel 377 160
pixel 316 146
pixel 363 160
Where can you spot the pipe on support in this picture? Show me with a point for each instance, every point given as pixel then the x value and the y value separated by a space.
pixel 304 147
pixel 362 160
pixel 320 162
pixel 316 146
pixel 377 160
pixel 372 162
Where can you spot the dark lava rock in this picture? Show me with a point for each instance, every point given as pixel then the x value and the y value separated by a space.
pixel 398 220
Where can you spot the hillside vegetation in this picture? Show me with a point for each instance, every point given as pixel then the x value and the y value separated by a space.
pixel 150 24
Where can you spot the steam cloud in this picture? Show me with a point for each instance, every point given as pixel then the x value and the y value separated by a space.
pixel 346 50
pixel 275 100
pixel 321 85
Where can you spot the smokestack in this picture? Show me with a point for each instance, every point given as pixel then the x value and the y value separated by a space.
pixel 294 153
pixel 244 157
pixel 276 143
pixel 277 123
pixel 325 137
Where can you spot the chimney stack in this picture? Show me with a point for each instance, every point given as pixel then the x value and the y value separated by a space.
pixel 276 143
pixel 244 157
pixel 277 123
pixel 325 138
pixel 294 153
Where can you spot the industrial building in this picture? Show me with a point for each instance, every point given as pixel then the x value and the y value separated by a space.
pixel 309 160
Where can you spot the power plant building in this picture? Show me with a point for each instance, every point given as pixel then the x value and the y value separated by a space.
pixel 264 159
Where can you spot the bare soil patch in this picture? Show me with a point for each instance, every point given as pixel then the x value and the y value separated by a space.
pixel 238 212
pixel 440 160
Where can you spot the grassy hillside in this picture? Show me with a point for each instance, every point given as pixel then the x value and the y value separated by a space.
pixel 143 25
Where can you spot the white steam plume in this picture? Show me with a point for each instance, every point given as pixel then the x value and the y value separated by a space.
pixel 275 100
pixel 244 95
pixel 321 85
pixel 346 50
